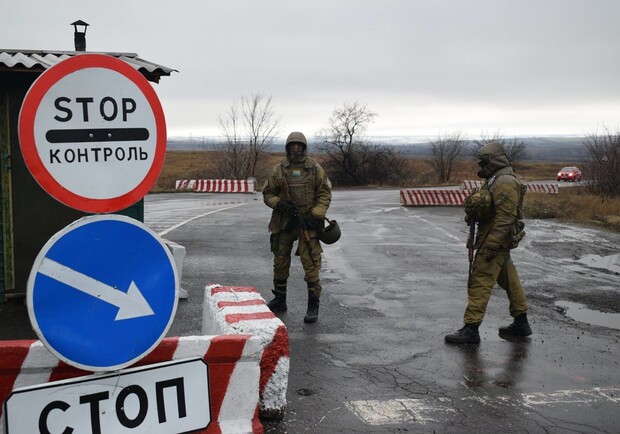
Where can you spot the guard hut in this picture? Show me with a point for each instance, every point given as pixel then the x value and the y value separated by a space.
pixel 30 216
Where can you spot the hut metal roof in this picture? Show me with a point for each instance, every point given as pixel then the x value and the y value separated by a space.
pixel 40 60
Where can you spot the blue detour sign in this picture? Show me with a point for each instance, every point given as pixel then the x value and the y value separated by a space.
pixel 102 292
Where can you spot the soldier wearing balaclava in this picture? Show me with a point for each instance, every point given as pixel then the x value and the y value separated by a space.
pixel 496 209
pixel 299 192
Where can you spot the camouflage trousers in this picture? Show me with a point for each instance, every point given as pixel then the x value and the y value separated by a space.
pixel 484 276
pixel 309 253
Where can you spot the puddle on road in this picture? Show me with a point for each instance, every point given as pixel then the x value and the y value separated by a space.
pixel 580 313
pixel 611 262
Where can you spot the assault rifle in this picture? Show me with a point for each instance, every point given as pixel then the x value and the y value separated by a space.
pixel 303 229
pixel 471 241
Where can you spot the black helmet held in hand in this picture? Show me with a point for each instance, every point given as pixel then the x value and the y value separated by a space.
pixel 331 233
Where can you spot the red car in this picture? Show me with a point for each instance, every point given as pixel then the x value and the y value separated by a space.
pixel 570 173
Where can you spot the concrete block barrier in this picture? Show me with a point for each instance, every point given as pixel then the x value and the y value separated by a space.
pixel 470 184
pixel 233 362
pixel 242 310
pixel 178 254
pixel 542 188
pixel 185 184
pixel 536 187
pixel 216 185
pixel 432 197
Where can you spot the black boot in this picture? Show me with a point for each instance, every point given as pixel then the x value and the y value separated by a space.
pixel 278 304
pixel 467 335
pixel 313 308
pixel 519 327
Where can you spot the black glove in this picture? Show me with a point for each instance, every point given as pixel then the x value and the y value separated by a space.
pixel 313 222
pixel 285 207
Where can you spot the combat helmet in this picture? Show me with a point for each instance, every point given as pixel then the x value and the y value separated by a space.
pixel 478 205
pixel 331 233
pixel 296 137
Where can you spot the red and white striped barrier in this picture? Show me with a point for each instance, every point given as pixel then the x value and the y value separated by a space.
pixel 185 184
pixel 542 188
pixel 536 187
pixel 234 310
pixel 233 362
pixel 216 185
pixel 428 197
pixel 470 184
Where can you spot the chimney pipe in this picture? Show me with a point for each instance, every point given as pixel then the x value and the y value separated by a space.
pixel 79 36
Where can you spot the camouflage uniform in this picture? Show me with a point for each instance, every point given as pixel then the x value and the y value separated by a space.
pixel 495 237
pixel 310 188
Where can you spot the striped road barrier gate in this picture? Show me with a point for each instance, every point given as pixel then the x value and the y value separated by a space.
pixel 536 187
pixel 235 309
pixel 429 197
pixel 233 377
pixel 216 185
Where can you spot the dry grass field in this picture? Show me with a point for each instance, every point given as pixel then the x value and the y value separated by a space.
pixel 571 204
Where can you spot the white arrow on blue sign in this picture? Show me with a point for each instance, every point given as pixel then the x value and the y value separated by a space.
pixel 102 292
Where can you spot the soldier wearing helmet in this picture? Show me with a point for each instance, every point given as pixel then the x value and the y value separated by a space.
pixel 496 208
pixel 297 186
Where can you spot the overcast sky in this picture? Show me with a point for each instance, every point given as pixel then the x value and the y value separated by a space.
pixel 526 67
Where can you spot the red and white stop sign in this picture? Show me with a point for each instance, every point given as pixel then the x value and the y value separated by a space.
pixel 92 133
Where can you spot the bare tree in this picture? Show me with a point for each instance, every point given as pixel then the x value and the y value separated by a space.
pixel 446 151
pixel 516 150
pixel 603 163
pixel 248 128
pixel 343 141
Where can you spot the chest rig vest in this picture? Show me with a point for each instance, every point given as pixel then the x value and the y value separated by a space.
pixel 301 180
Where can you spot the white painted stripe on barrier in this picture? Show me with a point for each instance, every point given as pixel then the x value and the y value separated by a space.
pixel 274 394
pixel 228 310
pixel 236 414
pixel 235 296
pixel 37 366
pixel 188 347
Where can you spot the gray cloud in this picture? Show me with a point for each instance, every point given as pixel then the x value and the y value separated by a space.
pixel 419 64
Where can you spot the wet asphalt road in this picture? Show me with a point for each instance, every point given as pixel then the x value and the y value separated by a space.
pixel 394 285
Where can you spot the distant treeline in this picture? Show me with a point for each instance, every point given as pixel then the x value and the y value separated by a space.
pixel 564 149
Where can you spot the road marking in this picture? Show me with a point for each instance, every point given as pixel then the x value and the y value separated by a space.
pixel 131 304
pixel 396 411
pixel 422 411
pixel 178 225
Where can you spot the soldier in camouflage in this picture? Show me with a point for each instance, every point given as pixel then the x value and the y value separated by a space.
pixel 496 208
pixel 310 193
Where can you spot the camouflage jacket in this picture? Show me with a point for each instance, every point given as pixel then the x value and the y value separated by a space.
pixel 500 231
pixel 308 186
